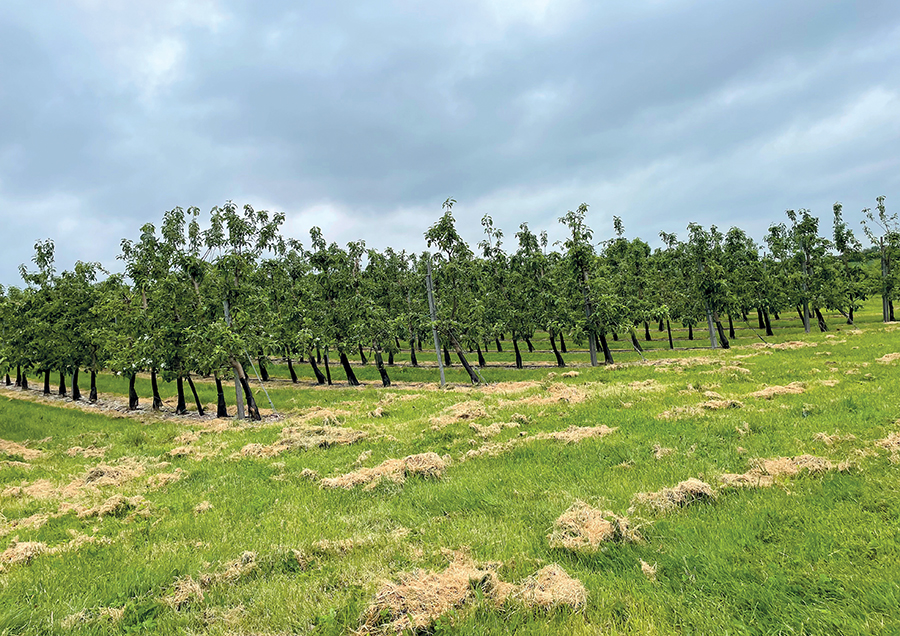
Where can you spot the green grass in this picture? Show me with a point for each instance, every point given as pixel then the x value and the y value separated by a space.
pixel 813 555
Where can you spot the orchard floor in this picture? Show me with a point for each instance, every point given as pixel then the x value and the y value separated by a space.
pixel 121 523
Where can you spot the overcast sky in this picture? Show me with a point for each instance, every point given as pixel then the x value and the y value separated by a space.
pixel 362 117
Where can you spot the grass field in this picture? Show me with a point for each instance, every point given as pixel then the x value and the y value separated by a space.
pixel 234 534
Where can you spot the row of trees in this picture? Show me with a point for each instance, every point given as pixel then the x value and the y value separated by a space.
pixel 208 298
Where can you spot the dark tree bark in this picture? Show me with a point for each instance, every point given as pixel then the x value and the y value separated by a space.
pixel 530 346
pixel 823 326
pixel 348 370
pixel 661 325
pixel 132 394
pixel 462 358
pixel 412 353
pixel 181 407
pixel 891 310
pixel 200 410
pixel 768 322
pixel 759 318
pixel 221 409
pixel 92 396
pixel 723 341
pixel 634 341
pixel 669 330
pixel 318 354
pixel 291 370
pixel 518 353
pixel 559 359
pixel 647 332
pixel 562 343
pixel 24 380
pixel 362 356
pixel 731 327
pixel 46 383
pixel 62 383
pixel 481 362
pixel 690 332
pixel 419 343
pixel 8 380
pixel 379 363
pixel 397 342
pixel 604 345
pixel 744 315
pixel 18 375
pixel 800 313
pixel 499 346
pixel 263 371
pixel 157 401
pixel 252 408
pixel 849 317
pixel 503 337
pixel 615 336
pixel 447 357
pixel 391 358
pixel 320 379
pixel 327 369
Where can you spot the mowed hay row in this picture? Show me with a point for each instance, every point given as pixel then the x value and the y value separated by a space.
pixel 765 471
pixel 15 449
pixel 418 599
pixel 582 528
pixel 683 494
pixel 305 438
pixel 460 412
pixel 429 465
pixel 769 392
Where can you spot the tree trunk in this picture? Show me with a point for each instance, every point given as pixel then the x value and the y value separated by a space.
pixel 518 353
pixel 419 342
pixel 499 347
pixel 723 341
pixel 850 315
pixel 9 381
pixel 391 358
pixel 634 341
pixel 661 325
pixel 221 409
pixel 462 358
pixel 562 343
pixel 92 396
pixel 320 379
pixel 181 407
pixel 731 327
pixel 154 385
pixel 252 408
pixel 768 322
pixel 362 356
pixel 604 345
pixel 559 359
pixel 669 331
pixel 647 332
pixel 291 371
pixel 690 332
pixel 200 410
pixel 327 369
pixel 759 318
pixel 263 371
pixel 891 310
pixel 446 357
pixel 777 317
pixel 348 370
pixel 823 326
pixel 481 362
pixel 412 353
pixel 46 383
pixel 318 354
pixel 24 380
pixel 62 383
pixel 76 392
pixel 132 394
pixel 530 346
pixel 18 375
pixel 379 364
pixel 615 336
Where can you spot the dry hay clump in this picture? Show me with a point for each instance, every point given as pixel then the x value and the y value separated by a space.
pixel 89 452
pixel 727 369
pixel 115 506
pixel 551 587
pixel 40 489
pixel 182 451
pixel 104 475
pixel 233 571
pixel 683 494
pixel 322 415
pixel 662 451
pixel 508 388
pixel 184 592
pixel 393 470
pixel 891 443
pixel 459 412
pixel 100 615
pixel 888 358
pixel 648 570
pixel 765 471
pixel 715 405
pixel 21 552
pixel 159 480
pixel 203 506
pixel 491 450
pixel 14 449
pixel 575 434
pixel 836 438
pixel 769 392
pixel 793 344
pixel 420 597
pixel 583 528
pixel 678 412
pixel 556 392
pixel 305 438
pixel 491 430
pixel 569 374
pixel 33 522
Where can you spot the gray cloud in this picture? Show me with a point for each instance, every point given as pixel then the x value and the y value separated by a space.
pixel 363 119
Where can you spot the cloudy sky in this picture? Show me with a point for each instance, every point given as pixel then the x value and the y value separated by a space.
pixel 362 117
